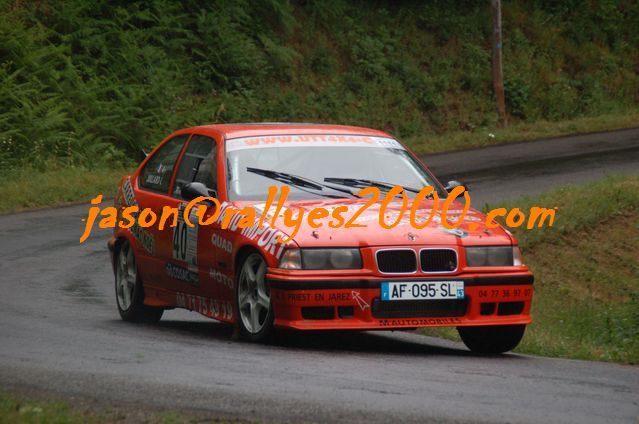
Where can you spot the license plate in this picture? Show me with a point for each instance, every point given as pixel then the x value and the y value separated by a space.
pixel 421 290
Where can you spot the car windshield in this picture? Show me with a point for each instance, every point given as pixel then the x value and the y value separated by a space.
pixel 312 165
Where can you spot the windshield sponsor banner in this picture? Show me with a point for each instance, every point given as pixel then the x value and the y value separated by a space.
pixel 319 140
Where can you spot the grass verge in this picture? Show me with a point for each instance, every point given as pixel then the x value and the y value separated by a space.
pixel 586 266
pixel 21 409
pixel 29 188
pixel 522 132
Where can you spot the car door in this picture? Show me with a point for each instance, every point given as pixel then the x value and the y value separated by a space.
pixel 188 262
pixel 151 191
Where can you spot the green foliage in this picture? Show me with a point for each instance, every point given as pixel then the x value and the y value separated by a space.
pixel 586 272
pixel 517 93
pixel 90 82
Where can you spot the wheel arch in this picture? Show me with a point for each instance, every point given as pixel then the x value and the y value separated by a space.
pixel 241 254
pixel 117 244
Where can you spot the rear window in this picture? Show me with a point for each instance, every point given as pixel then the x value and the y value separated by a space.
pixel 156 174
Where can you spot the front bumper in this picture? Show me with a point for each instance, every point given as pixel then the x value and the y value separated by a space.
pixel 354 303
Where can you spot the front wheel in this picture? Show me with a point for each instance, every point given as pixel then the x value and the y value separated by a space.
pixel 129 292
pixel 492 339
pixel 253 298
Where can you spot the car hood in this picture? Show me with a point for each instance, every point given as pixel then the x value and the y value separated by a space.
pixel 471 232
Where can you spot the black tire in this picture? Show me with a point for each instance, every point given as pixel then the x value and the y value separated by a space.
pixel 490 340
pixel 131 305
pixel 265 317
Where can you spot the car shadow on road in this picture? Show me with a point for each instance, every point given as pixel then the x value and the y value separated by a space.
pixel 380 342
pixel 385 342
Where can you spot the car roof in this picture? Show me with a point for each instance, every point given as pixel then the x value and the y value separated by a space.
pixel 284 128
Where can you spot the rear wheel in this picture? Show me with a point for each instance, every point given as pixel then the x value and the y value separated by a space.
pixel 254 300
pixel 129 292
pixel 492 339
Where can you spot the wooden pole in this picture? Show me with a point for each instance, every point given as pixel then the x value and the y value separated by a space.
pixel 498 72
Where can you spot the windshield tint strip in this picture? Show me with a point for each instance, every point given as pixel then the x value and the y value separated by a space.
pixel 311 140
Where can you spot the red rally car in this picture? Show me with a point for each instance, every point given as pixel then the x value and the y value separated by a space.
pixel 331 277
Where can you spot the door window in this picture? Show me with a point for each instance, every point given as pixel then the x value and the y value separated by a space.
pixel 199 164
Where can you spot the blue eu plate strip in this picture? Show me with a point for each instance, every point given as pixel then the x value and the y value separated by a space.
pixel 385 291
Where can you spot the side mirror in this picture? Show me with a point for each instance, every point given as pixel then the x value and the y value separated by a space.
pixel 454 183
pixel 192 190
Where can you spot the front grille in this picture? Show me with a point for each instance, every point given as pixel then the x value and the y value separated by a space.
pixel 438 260
pixel 397 261
pixel 419 308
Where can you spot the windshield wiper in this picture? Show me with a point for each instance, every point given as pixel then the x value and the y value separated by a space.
pixel 362 183
pixel 302 183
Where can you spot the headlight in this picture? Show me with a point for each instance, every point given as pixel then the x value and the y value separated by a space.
pixel 491 256
pixel 321 259
pixel 291 259
pixel 518 259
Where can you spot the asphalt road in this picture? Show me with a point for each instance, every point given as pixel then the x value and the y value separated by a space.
pixel 60 332
pixel 508 171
